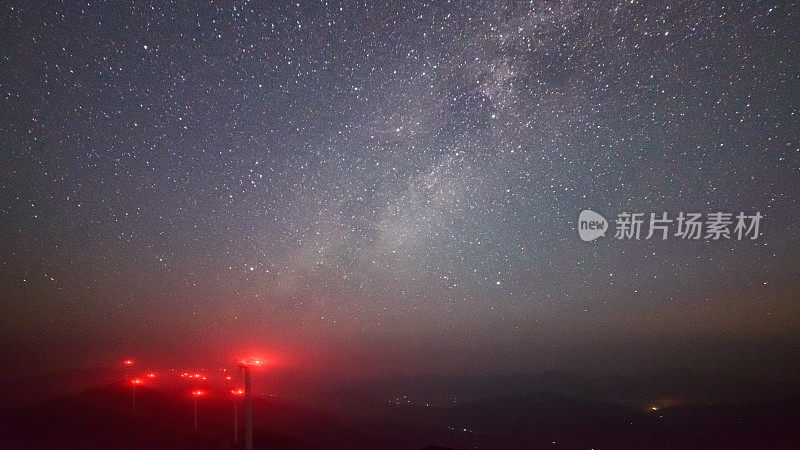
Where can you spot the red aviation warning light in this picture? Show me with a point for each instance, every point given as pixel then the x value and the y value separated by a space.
pixel 251 362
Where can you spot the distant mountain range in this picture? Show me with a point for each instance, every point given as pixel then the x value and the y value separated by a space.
pixel 524 411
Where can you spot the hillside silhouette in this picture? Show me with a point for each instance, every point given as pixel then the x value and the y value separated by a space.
pixel 538 413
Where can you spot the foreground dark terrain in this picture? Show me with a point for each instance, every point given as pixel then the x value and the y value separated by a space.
pixel 528 411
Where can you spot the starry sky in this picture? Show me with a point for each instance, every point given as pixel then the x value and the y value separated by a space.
pixel 376 187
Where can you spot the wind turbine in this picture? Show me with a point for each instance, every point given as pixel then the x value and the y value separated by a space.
pixel 236 394
pixel 248 401
pixel 196 395
pixel 135 382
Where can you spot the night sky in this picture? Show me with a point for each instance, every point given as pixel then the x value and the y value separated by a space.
pixel 393 187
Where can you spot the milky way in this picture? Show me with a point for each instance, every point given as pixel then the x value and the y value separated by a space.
pixel 405 172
